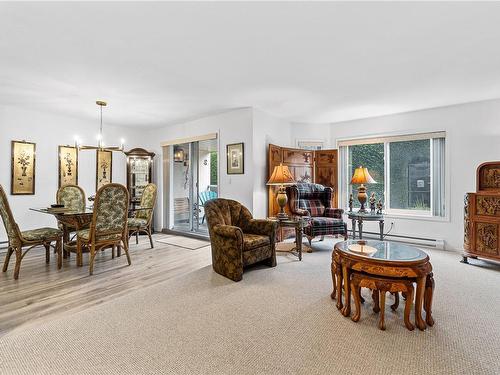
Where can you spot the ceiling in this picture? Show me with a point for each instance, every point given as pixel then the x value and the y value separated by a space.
pixel 160 63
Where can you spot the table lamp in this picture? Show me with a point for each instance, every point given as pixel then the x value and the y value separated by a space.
pixel 361 176
pixel 281 176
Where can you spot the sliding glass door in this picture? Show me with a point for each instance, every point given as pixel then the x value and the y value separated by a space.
pixel 194 181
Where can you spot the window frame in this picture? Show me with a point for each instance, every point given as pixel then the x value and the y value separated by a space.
pixel 344 178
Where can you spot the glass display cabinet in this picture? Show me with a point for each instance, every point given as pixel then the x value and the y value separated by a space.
pixel 139 173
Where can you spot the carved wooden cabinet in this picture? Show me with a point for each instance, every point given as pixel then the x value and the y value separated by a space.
pixel 139 173
pixel 482 215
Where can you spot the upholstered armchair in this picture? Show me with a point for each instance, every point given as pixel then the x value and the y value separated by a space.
pixel 142 220
pixel 315 201
pixel 238 239
pixel 29 238
pixel 109 224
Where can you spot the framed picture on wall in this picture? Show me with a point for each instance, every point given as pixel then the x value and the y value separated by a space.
pixel 235 158
pixel 104 168
pixel 22 168
pixel 309 144
pixel 68 165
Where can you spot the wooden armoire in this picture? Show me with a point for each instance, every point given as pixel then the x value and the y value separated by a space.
pixel 318 166
pixel 482 215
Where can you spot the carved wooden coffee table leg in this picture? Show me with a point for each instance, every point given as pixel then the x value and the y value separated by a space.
pixel 357 302
pixel 334 281
pixel 361 299
pixel 376 304
pixel 339 278
pixel 346 310
pixel 395 305
pixel 419 300
pixel 429 292
pixel 381 322
pixel 408 303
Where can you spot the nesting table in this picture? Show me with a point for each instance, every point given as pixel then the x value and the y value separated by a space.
pixel 383 267
pixel 360 217
pixel 298 224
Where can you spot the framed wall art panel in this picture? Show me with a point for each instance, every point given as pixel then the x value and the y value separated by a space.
pixel 235 158
pixel 104 168
pixel 68 165
pixel 23 168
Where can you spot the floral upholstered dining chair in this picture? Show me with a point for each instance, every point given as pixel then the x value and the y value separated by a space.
pixel 73 198
pixel 109 224
pixel 142 220
pixel 29 238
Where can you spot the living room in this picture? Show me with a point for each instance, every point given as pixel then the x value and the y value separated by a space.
pixel 300 187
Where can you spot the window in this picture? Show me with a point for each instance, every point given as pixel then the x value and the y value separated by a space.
pixel 408 170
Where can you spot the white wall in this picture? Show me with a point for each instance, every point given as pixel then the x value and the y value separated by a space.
pixel 232 127
pixel 314 132
pixel 49 131
pixel 472 137
pixel 266 129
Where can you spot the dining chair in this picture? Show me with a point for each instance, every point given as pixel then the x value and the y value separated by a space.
pixel 29 238
pixel 73 198
pixel 142 220
pixel 109 224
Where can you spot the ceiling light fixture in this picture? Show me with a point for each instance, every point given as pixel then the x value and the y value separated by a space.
pixel 100 140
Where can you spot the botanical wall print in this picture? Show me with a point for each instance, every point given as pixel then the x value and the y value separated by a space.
pixel 104 168
pixel 235 158
pixel 23 168
pixel 68 165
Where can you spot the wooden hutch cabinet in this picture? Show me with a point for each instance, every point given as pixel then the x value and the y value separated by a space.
pixel 139 173
pixel 482 215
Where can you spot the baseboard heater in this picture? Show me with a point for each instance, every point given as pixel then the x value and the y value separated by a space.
pixel 420 241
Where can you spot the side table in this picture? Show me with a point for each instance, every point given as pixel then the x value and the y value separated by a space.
pixel 360 217
pixel 298 224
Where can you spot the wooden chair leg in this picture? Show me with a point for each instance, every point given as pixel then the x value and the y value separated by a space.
pixel 408 303
pixel 395 305
pixel 59 253
pixel 137 237
pixel 91 259
pixel 125 247
pixel 381 323
pixel 150 238
pixel 322 238
pixel 429 291
pixel 357 302
pixel 10 250
pixel 113 249
pixel 19 257
pixel 376 302
pixel 119 251
pixel 79 255
pixel 47 252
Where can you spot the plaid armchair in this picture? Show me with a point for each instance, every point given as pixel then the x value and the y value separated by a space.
pixel 315 201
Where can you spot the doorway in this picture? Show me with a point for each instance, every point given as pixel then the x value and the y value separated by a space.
pixel 194 180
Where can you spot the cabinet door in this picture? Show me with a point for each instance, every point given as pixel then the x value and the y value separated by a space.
pixel 326 171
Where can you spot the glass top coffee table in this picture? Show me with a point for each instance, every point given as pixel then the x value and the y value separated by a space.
pixel 383 259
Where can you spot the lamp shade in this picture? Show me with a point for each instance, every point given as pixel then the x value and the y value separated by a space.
pixel 361 176
pixel 281 176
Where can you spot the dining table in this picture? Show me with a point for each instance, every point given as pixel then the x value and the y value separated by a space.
pixel 74 220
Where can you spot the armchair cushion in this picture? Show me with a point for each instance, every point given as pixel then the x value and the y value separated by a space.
pixel 261 226
pixel 251 241
pixel 228 231
pixel 135 222
pixel 84 234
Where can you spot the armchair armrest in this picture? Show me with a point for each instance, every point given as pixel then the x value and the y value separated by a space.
pixel 334 212
pixel 261 226
pixel 228 231
pixel 301 212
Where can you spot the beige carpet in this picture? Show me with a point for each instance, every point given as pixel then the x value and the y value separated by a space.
pixel 184 242
pixel 275 321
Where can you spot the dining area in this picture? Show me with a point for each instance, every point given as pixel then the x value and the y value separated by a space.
pixel 105 222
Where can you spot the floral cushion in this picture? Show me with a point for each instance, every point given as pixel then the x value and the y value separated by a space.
pixel 84 234
pixel 251 241
pixel 134 222
pixel 72 197
pixel 111 205
pixel 41 234
pixel 148 200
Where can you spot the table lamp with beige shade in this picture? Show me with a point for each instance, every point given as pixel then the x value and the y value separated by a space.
pixel 361 176
pixel 281 176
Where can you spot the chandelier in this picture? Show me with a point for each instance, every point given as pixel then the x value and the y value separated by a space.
pixel 100 140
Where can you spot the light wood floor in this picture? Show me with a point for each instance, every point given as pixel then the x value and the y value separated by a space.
pixel 43 292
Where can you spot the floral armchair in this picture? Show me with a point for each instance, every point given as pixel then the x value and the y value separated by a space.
pixel 315 201
pixel 238 239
